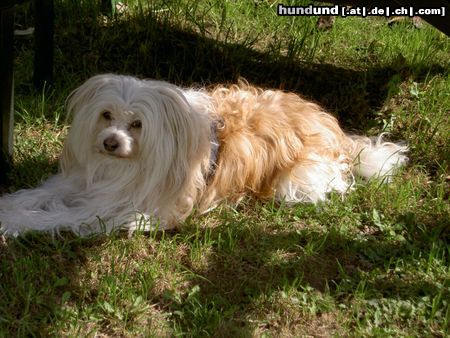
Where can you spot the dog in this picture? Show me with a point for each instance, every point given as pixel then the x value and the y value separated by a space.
pixel 143 154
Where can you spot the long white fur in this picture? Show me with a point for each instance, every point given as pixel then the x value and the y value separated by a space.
pixel 158 173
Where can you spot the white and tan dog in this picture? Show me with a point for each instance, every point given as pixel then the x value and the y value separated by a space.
pixel 142 153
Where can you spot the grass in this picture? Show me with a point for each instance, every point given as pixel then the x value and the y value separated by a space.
pixel 373 264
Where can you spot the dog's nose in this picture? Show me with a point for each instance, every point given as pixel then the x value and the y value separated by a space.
pixel 110 144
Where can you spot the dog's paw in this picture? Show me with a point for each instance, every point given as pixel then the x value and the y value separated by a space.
pixel 8 230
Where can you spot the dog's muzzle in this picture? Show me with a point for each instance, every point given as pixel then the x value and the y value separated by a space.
pixel 116 142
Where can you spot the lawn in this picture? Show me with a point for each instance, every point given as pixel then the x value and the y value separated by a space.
pixel 373 264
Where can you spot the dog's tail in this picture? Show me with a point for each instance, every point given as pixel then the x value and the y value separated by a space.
pixel 374 157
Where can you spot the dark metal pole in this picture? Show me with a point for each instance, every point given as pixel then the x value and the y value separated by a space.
pixel 6 88
pixel 43 57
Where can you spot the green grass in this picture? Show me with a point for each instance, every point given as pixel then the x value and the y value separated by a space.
pixel 373 264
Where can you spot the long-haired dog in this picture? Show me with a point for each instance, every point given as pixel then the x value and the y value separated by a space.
pixel 145 152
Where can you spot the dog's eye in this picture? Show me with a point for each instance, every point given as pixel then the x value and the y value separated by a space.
pixel 136 124
pixel 107 115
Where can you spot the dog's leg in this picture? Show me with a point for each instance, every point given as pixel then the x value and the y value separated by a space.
pixel 313 178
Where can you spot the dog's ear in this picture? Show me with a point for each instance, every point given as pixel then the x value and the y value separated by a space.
pixel 67 159
pixel 80 106
pixel 86 92
pixel 179 140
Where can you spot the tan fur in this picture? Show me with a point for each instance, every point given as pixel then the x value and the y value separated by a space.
pixel 266 134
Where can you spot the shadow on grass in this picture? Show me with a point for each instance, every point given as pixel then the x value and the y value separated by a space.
pixel 144 47
pixel 29 173
pixel 245 269
pixel 244 275
pixel 36 275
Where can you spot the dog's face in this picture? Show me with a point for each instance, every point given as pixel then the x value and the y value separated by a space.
pixel 118 133
pixel 138 123
pixel 122 117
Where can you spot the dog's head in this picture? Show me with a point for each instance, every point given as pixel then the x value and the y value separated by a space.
pixel 145 122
